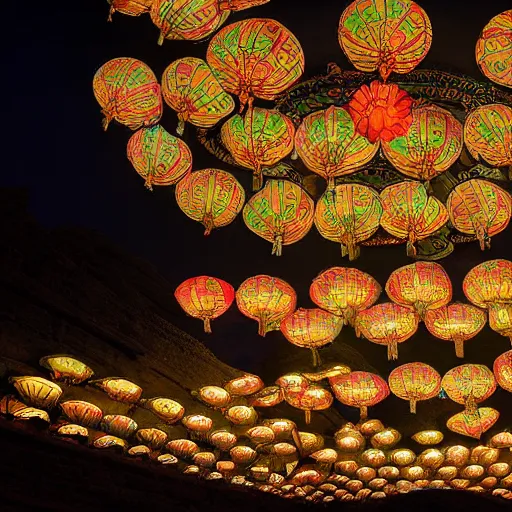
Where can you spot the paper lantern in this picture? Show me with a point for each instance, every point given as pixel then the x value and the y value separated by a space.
pixel 430 146
pixel 166 409
pixel 128 92
pixel 159 157
pixel 473 423
pixel 310 443
pixel 456 322
pixel 129 7
pixel 197 423
pixel 348 214
pixel 182 448
pixel 108 441
pixel 387 324
pixel 267 397
pixel 385 35
pixel 501 440
pixel 386 439
pixel 214 396
pixel 414 382
pixel 402 457
pixel 66 368
pixel 211 196
pixel 420 286
pixel 241 415
pixel 259 139
pixel 153 437
pixel 118 389
pixel 503 370
pixel 428 437
pixel 469 384
pixel 329 145
pixel 489 283
pixel 81 412
pixel 311 328
pixel 118 425
pixel 344 292
pixel 242 454
pixel 360 389
pixel 71 430
pixel 222 439
pixel 480 208
pixel 245 385
pixel 494 49
pixel 205 297
pixel 11 406
pixel 37 391
pixel 311 398
pixel 410 213
pixel 204 459
pixel 268 300
pixel 261 435
pixel 255 57
pixel 500 319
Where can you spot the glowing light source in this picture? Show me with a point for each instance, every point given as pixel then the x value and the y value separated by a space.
pixel 66 368
pixel 244 385
pixel 118 425
pixel 37 391
pixel 473 423
pixel 118 389
pixel 503 370
pixel 81 412
pixel 166 409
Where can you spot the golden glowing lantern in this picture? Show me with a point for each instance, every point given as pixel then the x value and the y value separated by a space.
pixel 432 144
pixel 197 423
pixel 310 442
pixel 310 398
pixel 410 214
pixel 501 440
pixel 128 92
pixel 414 382
pixel 360 389
pixel 182 448
pixel 329 145
pixel 267 397
pixel 159 157
pixel 503 370
pixel 373 457
pixel 222 439
pixel 139 451
pixel 281 213
pixel 500 319
pixel 129 7
pixel 225 467
pixel 306 474
pixel 11 406
pixel 446 473
pixel 282 427
pixel 431 459
pixel 245 385
pixel 211 196
pixel 469 384
pixel 386 439
pixel 480 208
pixel 402 457
pixel 268 300
pixel 261 434
pixel 422 285
pixel 118 425
pixel 118 389
pixel 385 35
pixel 108 441
pixel 457 456
pixel 311 328
pixel 348 214
pixel 349 440
pixel 66 368
pixel 387 324
pixel 204 459
pixel 166 409
pixel 72 430
pixel 255 57
pixel 242 454
pixel 428 437
pixel 484 455
pixel 37 391
pixel 82 413
pixel 214 396
pixel 283 449
pixel 473 423
pixel 241 415
pixel 153 437
pixel 344 292
pixel 205 297
pixel 371 427
pixel 456 322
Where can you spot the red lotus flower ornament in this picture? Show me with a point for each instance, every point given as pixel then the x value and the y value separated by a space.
pixel 381 111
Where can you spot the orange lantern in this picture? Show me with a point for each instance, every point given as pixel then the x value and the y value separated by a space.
pixel 359 389
pixel 311 328
pixel 281 213
pixel 214 396
pixel 473 423
pixel 481 208
pixel 344 291
pixel 268 300
pixel 82 413
pixel 387 324
pixel 456 322
pixel 469 384
pixel 129 7
pixel 118 389
pixel 329 145
pixel 421 286
pixel 410 213
pixel 159 157
pixel 182 448
pixel 259 139
pixel 503 370
pixel 118 425
pixel 348 214
pixel 267 397
pixel 385 35
pixel 211 196
pixel 500 319
pixel 414 382
pixel 205 298
pixel 245 385
pixel 310 398
pixel 128 92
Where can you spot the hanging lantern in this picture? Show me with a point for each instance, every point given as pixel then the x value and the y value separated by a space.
pixel 128 92
pixel 328 144
pixel 480 208
pixel 82 413
pixel 166 409
pixel 211 196
pixel 387 36
pixel 118 425
pixel 311 328
pixel 473 423
pixel 37 391
pixel 432 144
pixel 281 213
pixel 205 297
pixel 387 324
pixel 469 384
pixel 500 319
pixel 494 49
pixel 311 398
pixel 129 7
pixel 503 370
pixel 414 382
pixel 259 139
pixel 410 213
pixel 159 157
pixel 348 214
pixel 245 385
pixel 421 286
pixel 66 368
pixel 359 389
pixel 456 322
pixel 344 292
pixel 120 390
pixel 255 57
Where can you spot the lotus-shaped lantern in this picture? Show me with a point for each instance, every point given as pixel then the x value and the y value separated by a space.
pixel 197 423
pixel 12 406
pixel 37 391
pixel 108 441
pixel 71 430
pixel 66 368
pixel 473 423
pixel 242 454
pixel 312 398
pixel 503 370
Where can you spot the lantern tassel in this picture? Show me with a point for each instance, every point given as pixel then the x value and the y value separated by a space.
pixel 207 326
pixel 262 327
pixel 363 412
pixel 180 130
pixel 161 38
pixel 257 180
pixel 331 183
pixel 105 121
pixel 147 183
pixel 412 406
pixel 208 224
pixel 316 357
pixel 392 350
pixel 307 416
pixel 295 155
pixel 277 247
pixel 459 347
pixel 111 11
pixel 411 249
pixel 353 251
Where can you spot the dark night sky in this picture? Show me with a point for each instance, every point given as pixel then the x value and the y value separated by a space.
pixel 78 175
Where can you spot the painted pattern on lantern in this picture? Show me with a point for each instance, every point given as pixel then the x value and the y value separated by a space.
pixel 82 413
pixel 119 389
pixel 281 213
pixel 385 35
pixel 129 7
pixel 348 214
pixel 500 319
pixel 66 368
pixel 37 391
pixel 503 370
pixel 473 423
pixel 205 297
pixel 210 196
pixel 128 92
pixel 309 398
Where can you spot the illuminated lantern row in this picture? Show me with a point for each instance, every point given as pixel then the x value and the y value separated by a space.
pixel 503 370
